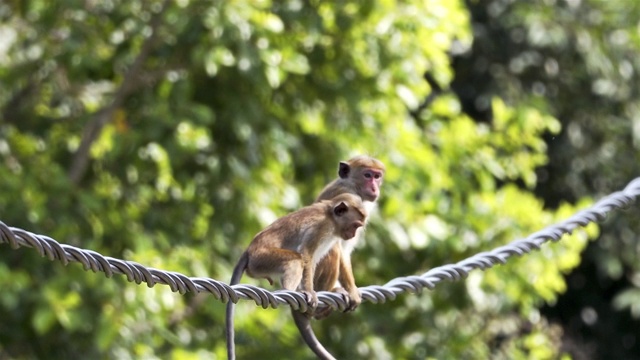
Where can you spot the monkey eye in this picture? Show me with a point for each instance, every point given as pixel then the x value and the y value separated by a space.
pixel 369 175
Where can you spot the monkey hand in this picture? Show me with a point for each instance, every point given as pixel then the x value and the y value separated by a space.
pixel 312 301
pixel 354 299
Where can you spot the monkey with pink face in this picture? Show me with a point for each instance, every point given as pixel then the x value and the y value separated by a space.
pixel 361 176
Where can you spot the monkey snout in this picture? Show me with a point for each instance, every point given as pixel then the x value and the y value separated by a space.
pixel 373 193
pixel 350 233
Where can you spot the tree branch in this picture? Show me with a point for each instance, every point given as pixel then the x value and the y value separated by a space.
pixel 91 132
pixel 436 90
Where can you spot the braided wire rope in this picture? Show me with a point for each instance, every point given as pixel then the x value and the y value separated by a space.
pixel 178 282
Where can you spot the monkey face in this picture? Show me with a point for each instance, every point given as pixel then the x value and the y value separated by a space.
pixel 350 231
pixel 371 180
pixel 349 214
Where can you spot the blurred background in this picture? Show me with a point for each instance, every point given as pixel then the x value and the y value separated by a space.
pixel 170 132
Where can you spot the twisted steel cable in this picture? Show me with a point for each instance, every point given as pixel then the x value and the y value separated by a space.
pixel 138 273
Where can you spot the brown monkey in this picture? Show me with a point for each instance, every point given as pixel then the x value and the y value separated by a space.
pixel 361 176
pixel 290 248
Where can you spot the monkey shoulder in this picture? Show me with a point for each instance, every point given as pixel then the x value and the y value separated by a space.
pixel 335 188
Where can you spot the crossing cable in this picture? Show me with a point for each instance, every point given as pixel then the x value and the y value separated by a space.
pixel 178 282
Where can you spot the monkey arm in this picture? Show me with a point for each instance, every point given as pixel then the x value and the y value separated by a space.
pixel 348 282
pixel 306 284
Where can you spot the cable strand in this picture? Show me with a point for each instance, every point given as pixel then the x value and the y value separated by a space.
pixel 177 282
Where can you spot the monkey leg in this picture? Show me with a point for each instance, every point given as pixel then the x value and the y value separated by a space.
pixel 306 286
pixel 287 265
pixel 349 284
pixel 280 263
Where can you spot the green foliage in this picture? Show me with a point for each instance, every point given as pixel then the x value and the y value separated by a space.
pixel 212 119
pixel 578 61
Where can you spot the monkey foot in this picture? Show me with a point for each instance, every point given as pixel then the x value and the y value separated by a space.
pixel 322 313
pixel 312 301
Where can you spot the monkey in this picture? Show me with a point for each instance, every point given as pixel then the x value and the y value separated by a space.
pixel 361 176
pixel 291 247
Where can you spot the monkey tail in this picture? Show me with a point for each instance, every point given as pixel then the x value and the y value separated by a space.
pixel 303 322
pixel 235 278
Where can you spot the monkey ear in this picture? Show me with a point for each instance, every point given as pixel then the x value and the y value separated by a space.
pixel 343 170
pixel 340 209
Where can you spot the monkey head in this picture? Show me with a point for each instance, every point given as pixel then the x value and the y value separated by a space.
pixel 349 213
pixel 366 173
